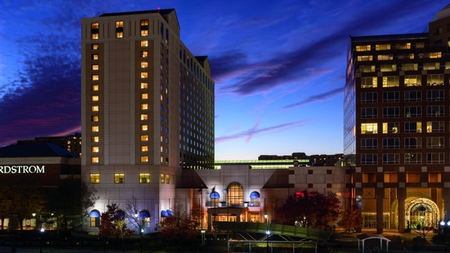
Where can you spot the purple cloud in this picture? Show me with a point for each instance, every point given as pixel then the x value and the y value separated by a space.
pixel 316 98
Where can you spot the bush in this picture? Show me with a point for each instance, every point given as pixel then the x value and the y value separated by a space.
pixel 419 241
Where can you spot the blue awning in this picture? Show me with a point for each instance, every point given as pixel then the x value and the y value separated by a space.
pixel 254 195
pixel 169 213
pixel 94 214
pixel 144 214
pixel 164 213
pixel 214 195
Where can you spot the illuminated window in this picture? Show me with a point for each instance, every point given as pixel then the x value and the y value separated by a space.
pixel 385 57
pixel 94 26
pixel 119 35
pixel 95 67
pixel 420 45
pixel 413 158
pixel 144 127
pixel 144 32
pixel 144 27
pixel 119 29
pixel 95 159
pixel 95 57
pixel 367 68
pixel 435 157
pixel 435 55
pixel 144 137
pixel 434 177
pixel 413 80
pixel 95 87
pixel 369 82
pixel 365 57
pixel 380 47
pixel 95 118
pixel 369 128
pixel 435 80
pixel 413 127
pixel 435 142
pixel 144 54
pixel 144 64
pixel 362 48
pixel 167 179
pixel 431 65
pixel 144 43
pixel 94 98
pixel 94 36
pixel 119 178
pixel 403 46
pixel 412 177
pixel 435 126
pixel 144 116
pixel 94 178
pixel 95 108
pixel 95 129
pixel 144 96
pixel 390 127
pixel 144 178
pixel 388 68
pixel 94 46
pixel 95 77
pixel 163 178
pixel 144 86
pixel 410 67
pixel 144 106
pixel 390 81
pixel 144 159
pixel 144 22
pixel 390 177
pixel 235 195
pixel 95 149
pixel 144 74
pixel 144 148
pixel 95 139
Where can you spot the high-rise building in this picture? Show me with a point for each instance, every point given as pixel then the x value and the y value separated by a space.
pixel 147 110
pixel 396 113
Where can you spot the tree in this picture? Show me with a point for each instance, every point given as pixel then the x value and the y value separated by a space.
pixel 179 229
pixel 132 213
pixel 351 220
pixel 113 223
pixel 310 209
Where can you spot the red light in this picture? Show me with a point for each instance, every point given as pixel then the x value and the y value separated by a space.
pixel 347 194
pixel 159 8
pixel 299 194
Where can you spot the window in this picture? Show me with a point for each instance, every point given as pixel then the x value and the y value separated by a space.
pixel 95 98
pixel 167 179
pixel 391 158
pixel 144 27
pixel 369 128
pixel 420 45
pixel 391 112
pixel 434 177
pixel 95 67
pixel 390 177
pixel 94 31
pixel 413 96
pixel 435 157
pixel 144 159
pixel 119 178
pixel 94 57
pixel 435 110
pixel 413 142
pixel 380 47
pixel 95 139
pixel 94 77
pixel 368 97
pixel 434 55
pixel 388 68
pixel 362 48
pixel 413 158
pixel 144 86
pixel 144 64
pixel 389 143
pixel 413 80
pixel 410 67
pixel 95 46
pixel 95 149
pixel 367 68
pixel 144 178
pixel 119 29
pixel 435 80
pixel 391 96
pixel 235 195
pixel 95 108
pixel 94 178
pixel 385 57
pixel 447 65
pixel 413 127
pixel 412 177
pixel 144 148
pixel 431 65
pixel 144 96
pixel 368 159
pixel 413 111
pixel 435 126
pixel 144 107
pixel 390 81
pixel 144 54
pixel 95 87
pixel 365 58
pixel 144 43
pixel 435 95
pixel 95 129
pixel 163 178
pixel 368 113
pixel 144 137
pixel 369 177
pixel 368 143
pixel 369 82
pixel 390 127
pixel 144 127
pixel 435 142
pixel 95 159
pixel 144 75
pixel 403 45
pixel 94 218
pixel 144 116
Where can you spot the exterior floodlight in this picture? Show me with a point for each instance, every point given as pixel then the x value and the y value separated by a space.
pixel 33 214
pixel 448 223
pixel 42 230
pixel 135 215
pixel 266 216
pixel 442 223
pixel 267 232
pixel 142 230
pixel 203 231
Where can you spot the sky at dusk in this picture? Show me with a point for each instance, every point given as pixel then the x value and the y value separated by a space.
pixel 279 66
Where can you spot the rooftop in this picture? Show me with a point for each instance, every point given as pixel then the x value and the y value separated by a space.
pixel 35 149
pixel 389 37
pixel 160 11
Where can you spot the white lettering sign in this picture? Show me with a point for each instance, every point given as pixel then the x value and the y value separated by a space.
pixel 22 169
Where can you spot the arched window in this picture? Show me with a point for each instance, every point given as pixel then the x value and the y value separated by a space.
pixel 144 216
pixel 94 218
pixel 254 198
pixel 215 198
pixel 235 195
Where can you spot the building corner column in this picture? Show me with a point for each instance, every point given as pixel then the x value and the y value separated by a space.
pixel 380 196
pixel 401 196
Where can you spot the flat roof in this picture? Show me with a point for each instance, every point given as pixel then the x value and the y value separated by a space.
pixel 261 161
pixel 389 37
pixel 160 11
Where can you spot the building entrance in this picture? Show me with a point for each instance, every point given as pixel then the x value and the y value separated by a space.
pixel 421 212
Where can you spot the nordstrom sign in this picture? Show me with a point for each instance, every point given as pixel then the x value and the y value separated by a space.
pixel 22 169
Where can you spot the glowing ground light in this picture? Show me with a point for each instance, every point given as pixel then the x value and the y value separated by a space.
pixel 442 223
pixel 448 223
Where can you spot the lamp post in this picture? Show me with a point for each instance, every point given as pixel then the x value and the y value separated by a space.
pixel 42 230
pixel 266 217
pixel 203 236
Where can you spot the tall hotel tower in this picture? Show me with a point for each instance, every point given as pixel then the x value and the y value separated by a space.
pixel 397 126
pixel 147 112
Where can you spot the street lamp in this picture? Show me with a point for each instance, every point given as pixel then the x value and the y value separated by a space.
pixel 42 230
pixel 267 239
pixel 203 236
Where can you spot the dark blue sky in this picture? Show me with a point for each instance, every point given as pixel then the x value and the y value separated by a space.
pixel 278 65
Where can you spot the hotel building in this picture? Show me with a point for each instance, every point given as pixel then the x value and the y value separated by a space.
pixel 397 126
pixel 147 111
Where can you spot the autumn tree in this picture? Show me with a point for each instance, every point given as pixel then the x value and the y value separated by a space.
pixel 310 209
pixel 179 229
pixel 113 223
pixel 351 220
